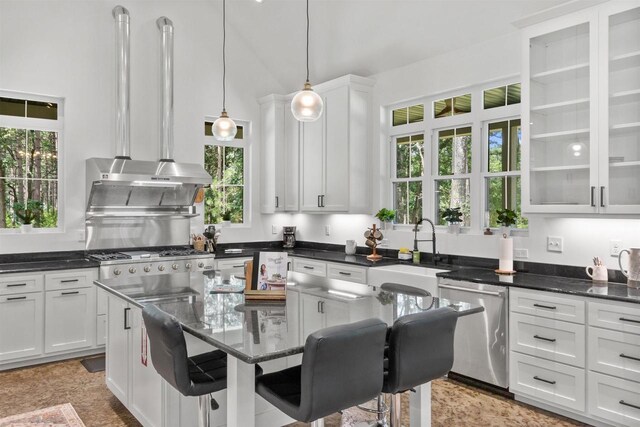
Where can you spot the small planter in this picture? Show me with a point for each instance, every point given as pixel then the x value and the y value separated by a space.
pixel 225 224
pixel 505 231
pixel 26 228
pixel 454 228
pixel 386 225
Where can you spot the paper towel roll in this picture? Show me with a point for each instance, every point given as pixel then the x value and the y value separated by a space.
pixel 506 253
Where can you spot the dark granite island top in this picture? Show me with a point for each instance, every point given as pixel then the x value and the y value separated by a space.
pixel 257 332
pixel 44 261
pixel 557 284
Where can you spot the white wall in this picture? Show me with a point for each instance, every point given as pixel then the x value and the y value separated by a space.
pixel 66 49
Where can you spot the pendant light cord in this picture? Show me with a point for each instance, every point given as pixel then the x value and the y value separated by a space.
pixel 307 41
pixel 224 61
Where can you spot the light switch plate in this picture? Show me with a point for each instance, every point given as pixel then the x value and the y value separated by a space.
pixel 274 229
pixel 521 253
pixel 615 246
pixel 554 244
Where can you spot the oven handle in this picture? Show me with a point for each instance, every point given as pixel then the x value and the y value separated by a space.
pixel 473 291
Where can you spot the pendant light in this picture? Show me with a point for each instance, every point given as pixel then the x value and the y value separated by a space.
pixel 224 129
pixel 307 105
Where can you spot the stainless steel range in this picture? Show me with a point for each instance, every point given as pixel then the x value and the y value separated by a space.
pixel 115 264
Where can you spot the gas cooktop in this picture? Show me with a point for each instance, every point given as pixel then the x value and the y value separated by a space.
pixel 142 255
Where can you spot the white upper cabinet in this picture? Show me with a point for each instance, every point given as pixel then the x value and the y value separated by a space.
pixel 581 118
pixel 319 166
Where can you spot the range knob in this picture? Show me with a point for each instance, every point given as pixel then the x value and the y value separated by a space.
pixel 147 269
pixel 188 265
pixel 200 264
pixel 174 266
pixel 161 267
pixel 117 271
pixel 132 270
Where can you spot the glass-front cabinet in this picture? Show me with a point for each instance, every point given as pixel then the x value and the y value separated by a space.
pixel 581 112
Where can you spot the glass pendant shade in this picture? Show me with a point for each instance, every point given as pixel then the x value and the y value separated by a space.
pixel 307 105
pixel 224 129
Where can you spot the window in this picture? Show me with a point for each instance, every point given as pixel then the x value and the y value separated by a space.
pixel 502 178
pixel 501 96
pixel 452 106
pixel 406 115
pixel 30 137
pixel 227 165
pixel 452 185
pixel 407 173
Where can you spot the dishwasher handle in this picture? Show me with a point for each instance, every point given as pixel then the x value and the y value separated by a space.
pixel 473 291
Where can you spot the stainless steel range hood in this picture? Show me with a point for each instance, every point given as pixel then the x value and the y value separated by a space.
pixel 125 187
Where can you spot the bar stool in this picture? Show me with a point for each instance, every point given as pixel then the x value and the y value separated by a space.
pixel 404 289
pixel 342 366
pixel 199 375
pixel 420 350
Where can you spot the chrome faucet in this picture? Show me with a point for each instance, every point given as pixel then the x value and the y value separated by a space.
pixel 432 240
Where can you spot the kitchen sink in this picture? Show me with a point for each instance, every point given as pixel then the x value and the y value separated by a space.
pixel 417 276
pixel 411 269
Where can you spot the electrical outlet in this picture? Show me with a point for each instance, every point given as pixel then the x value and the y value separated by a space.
pixel 615 246
pixel 554 244
pixel 327 230
pixel 521 253
pixel 274 229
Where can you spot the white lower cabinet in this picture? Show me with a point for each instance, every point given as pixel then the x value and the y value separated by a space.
pixel 614 399
pixel 308 266
pixel 117 348
pixel 70 319
pixel 21 325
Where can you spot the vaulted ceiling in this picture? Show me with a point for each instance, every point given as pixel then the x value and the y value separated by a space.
pixel 366 37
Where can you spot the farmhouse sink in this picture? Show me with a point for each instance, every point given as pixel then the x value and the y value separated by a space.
pixel 417 276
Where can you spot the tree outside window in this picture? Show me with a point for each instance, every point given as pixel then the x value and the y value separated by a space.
pixel 407 174
pixel 452 187
pixel 28 164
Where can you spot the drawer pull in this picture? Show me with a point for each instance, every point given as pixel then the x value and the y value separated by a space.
pixel 549 307
pixel 15 298
pixel 308 267
pixel 69 281
pixel 15 285
pixel 624 356
pixel 538 337
pixel 631 405
pixel 126 318
pixel 624 319
pixel 537 378
pixel 238 266
pixel 70 293
pixel 344 273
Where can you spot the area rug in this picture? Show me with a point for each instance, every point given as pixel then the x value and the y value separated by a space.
pixel 54 416
pixel 94 364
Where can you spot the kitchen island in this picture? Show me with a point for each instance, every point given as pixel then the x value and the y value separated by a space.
pixel 272 335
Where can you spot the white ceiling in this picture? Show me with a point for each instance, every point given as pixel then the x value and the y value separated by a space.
pixel 366 37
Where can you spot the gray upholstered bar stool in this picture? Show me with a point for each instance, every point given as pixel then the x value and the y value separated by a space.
pixel 404 289
pixel 420 350
pixel 199 375
pixel 342 366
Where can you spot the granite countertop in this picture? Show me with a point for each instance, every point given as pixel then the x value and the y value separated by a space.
pixel 317 254
pixel 563 285
pixel 259 331
pixel 29 263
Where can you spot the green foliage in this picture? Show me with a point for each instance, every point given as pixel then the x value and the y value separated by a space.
pixel 452 215
pixel 386 215
pixel 28 212
pixel 226 216
pixel 506 217
pixel 226 193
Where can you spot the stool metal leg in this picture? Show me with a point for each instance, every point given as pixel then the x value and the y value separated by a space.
pixel 396 410
pixel 204 410
pixel 382 412
pixel 318 423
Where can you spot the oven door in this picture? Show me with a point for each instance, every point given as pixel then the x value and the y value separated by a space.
pixel 481 340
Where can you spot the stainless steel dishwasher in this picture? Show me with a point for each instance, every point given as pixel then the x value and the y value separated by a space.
pixel 481 341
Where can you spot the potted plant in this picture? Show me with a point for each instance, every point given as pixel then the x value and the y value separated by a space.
pixel 506 218
pixel 454 217
pixel 386 216
pixel 226 219
pixel 27 213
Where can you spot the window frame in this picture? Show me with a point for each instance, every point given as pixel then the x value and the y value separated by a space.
pixel 245 144
pixel 45 125
pixel 393 166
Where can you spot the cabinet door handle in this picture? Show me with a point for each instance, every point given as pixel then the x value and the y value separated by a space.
pixel 631 405
pixel 544 339
pixel 69 281
pixel 344 273
pixel 319 307
pixel 322 307
pixel 602 205
pixel 289 266
pixel 15 285
pixel 308 267
pixel 624 319
pixel 549 307
pixel 624 356
pixel 70 293
pixel 593 196
pixel 319 205
pixel 537 378
pixel 126 318
pixel 16 298
pixel 322 199
pixel 238 266
pixel 277 202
